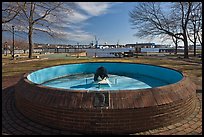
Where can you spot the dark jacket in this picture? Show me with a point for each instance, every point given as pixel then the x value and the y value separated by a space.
pixel 102 72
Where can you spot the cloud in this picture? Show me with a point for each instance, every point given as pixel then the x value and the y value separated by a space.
pixel 67 20
pixel 76 17
pixel 17 27
pixel 94 8
pixel 73 35
pixel 70 26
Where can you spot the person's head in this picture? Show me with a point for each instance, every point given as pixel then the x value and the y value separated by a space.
pixel 102 72
pixel 101 68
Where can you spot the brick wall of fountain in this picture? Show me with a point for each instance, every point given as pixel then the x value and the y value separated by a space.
pixel 120 112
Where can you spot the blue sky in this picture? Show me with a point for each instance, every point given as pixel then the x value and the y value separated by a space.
pixel 109 21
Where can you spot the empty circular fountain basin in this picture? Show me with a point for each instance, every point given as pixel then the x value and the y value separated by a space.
pixel 138 97
pixel 122 76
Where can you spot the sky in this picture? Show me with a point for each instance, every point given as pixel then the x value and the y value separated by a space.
pixel 108 21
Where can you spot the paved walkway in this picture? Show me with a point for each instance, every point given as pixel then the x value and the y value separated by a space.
pixel 188 126
pixel 14 123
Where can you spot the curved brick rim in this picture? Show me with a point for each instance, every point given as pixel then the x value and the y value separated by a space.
pixel 127 112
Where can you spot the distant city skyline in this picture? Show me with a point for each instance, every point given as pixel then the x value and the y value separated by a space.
pixel 108 21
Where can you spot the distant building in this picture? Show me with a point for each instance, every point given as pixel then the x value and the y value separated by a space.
pixel 110 46
pixel 198 47
pixel 150 49
pixel 162 46
pixel 139 46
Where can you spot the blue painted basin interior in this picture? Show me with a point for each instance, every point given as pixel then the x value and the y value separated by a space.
pixel 121 75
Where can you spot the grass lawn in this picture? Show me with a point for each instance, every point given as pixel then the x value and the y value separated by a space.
pixel 12 68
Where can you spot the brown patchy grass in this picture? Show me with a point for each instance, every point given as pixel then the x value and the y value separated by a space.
pixel 190 69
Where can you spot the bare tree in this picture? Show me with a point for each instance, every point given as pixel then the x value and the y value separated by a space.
pixel 34 17
pixel 9 45
pixel 175 28
pixel 21 45
pixel 194 25
pixel 5 47
pixel 40 16
pixel 199 18
pixel 151 20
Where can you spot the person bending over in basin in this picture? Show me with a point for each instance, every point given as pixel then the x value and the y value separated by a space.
pixel 102 72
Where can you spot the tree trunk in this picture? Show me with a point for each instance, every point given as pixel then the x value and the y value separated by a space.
pixel 30 30
pixel 194 48
pixel 176 44
pixel 185 41
pixel 176 47
pixel 30 42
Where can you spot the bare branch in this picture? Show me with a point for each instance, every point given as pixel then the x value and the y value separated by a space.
pixel 39 16
pixel 9 12
pixel 149 19
pixel 47 12
pixel 42 30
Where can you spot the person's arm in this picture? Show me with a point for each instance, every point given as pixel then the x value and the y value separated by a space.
pixel 106 74
pixel 95 77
